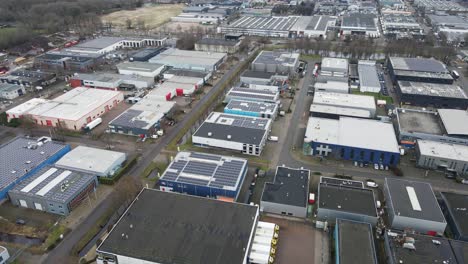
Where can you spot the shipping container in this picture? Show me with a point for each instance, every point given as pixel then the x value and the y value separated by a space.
pixel 259 258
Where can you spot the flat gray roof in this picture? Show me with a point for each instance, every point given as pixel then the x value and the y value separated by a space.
pixel 264 23
pixel 274 57
pixel 140 66
pixel 456 204
pixel 443 150
pixel 418 64
pixel 368 74
pixel 290 187
pixel 432 89
pixel 351 252
pixel 165 227
pixel 54 184
pixel 357 20
pixel 413 199
pixel 347 199
pixel 249 106
pixel 21 155
pixel 455 121
pixel 217 41
pixel 208 170
pixel 418 121
pixel 256 74
pixel 99 43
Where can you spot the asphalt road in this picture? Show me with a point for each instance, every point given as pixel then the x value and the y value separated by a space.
pixel 62 251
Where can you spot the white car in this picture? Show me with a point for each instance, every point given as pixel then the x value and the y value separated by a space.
pixel 376 166
pixel 371 184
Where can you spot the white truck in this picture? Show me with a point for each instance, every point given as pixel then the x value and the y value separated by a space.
pixel 263 240
pixel 93 124
pixel 273 138
pixel 260 258
pixel 263 249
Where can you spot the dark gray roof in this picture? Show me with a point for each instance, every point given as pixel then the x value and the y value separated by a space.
pixel 418 64
pixel 126 119
pixel 460 250
pixel 16 158
pixel 359 20
pixel 343 182
pixel 457 207
pixel 217 41
pixel 348 199
pixel 63 191
pixel 244 135
pixel 213 170
pixel 188 73
pixel 177 228
pixel 400 199
pixel 148 52
pixel 257 107
pixel 426 251
pixel 350 252
pixel 256 74
pixel 99 43
pixel 290 186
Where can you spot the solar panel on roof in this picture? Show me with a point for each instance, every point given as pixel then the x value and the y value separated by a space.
pixel 204 156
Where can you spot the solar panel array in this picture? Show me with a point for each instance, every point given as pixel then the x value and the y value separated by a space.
pixel 242 121
pixel 258 107
pixel 214 171
pixel 265 23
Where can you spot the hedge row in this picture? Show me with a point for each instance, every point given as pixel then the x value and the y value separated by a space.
pixel 119 173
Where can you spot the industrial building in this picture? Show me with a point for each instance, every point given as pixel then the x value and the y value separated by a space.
pixel 204 175
pixel 341 199
pixel 100 162
pixel 22 109
pixel 435 5
pixel 252 108
pixel 187 73
pixel 334 67
pixel 400 25
pixel 276 62
pixel 146 54
pixel 143 118
pixel 204 19
pixel 288 194
pixel 217 45
pixel 74 109
pixel 11 91
pixel 414 248
pixel 53 190
pixel 453 27
pixel 68 60
pixel 153 215
pixel 189 59
pixel 340 104
pixel 445 157
pixel 431 94
pixel 454 208
pixel 443 125
pixel 331 87
pixel 362 140
pixel 418 70
pixel 247 135
pixel 103 45
pixel 255 77
pixel 140 68
pixel 251 94
pixel 272 26
pixel 29 78
pixel 413 205
pixel 346 234
pixel 185 85
pixel 110 81
pixel 360 24
pixel 368 78
pixel 23 157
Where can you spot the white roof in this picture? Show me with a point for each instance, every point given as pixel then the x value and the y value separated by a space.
pixel 26 106
pixel 455 121
pixel 332 85
pixel 187 56
pixel 443 150
pixel 353 132
pixel 140 66
pixel 336 63
pixel 74 104
pixel 345 100
pixel 185 79
pixel 90 159
pixel 342 111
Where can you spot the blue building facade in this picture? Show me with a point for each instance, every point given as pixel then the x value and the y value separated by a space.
pixel 242 113
pixel 351 153
pixel 49 161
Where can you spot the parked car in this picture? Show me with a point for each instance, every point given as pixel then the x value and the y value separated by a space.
pixel 376 166
pixel 371 183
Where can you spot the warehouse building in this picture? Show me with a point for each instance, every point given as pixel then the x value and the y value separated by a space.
pixel 170 73
pixel 190 60
pixel 413 205
pixel 204 175
pixel 217 45
pixel 288 194
pixel 360 24
pixel 29 78
pixel 103 45
pixel 22 109
pixel 454 208
pixel 352 103
pixel 187 85
pixel 139 68
pixel 444 125
pixel 53 190
pixel 362 140
pixel 251 94
pixel 446 157
pixel 141 119
pixel 418 70
pixel 312 26
pixel 368 78
pixel 76 108
pixel 331 87
pixel 346 234
pixel 414 248
pixel 334 112
pixel 334 67
pixel 255 77
pixel 11 91
pixel 337 200
pixel 276 62
pixel 146 54
pixel 247 135
pixel 107 81
pixel 174 217
pixel 68 60
pixel 100 162
pixel 23 157
pixel 431 94
pixel 452 26
pixel 251 108
pixel 400 25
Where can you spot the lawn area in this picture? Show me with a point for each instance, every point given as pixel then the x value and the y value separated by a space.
pixel 153 16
